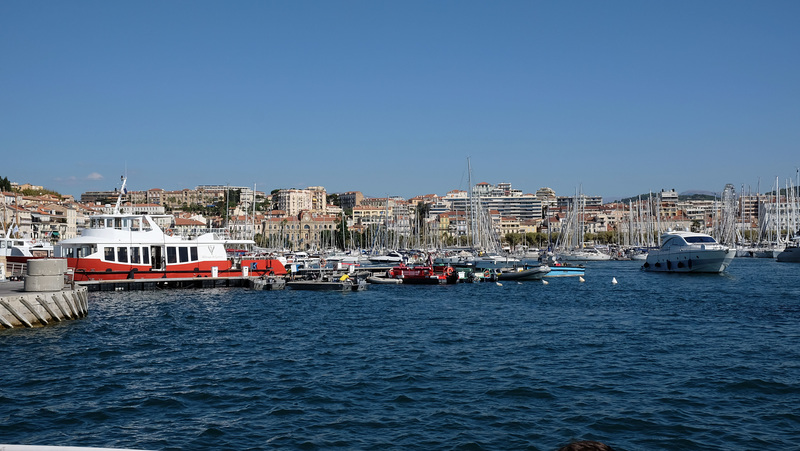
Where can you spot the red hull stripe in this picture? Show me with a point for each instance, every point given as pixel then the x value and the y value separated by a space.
pixel 98 270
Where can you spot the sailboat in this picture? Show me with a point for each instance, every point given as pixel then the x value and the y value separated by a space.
pixel 571 247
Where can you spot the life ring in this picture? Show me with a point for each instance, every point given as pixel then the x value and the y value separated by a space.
pixel 487 274
pixel 449 271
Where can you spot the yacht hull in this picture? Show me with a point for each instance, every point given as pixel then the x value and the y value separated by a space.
pixel 699 261
pixel 790 254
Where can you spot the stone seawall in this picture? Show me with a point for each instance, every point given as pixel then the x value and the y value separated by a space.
pixel 31 309
pixel 43 298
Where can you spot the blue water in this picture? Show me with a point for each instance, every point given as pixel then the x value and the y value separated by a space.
pixel 657 361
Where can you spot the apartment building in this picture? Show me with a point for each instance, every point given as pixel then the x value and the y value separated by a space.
pixel 350 200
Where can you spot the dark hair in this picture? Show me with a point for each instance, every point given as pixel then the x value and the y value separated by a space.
pixel 586 445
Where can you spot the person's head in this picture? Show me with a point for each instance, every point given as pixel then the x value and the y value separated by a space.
pixel 586 445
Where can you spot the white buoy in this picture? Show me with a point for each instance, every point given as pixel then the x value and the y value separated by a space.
pixel 614 280
pixel 581 279
pixel 499 284
pixel 544 282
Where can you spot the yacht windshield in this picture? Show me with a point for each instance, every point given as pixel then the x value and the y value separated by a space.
pixel 699 239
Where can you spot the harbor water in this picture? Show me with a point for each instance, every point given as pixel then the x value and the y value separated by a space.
pixel 654 362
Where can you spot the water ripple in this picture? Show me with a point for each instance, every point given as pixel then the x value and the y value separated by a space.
pixel 690 363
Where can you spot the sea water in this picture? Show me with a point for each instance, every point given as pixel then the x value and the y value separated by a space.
pixel 654 362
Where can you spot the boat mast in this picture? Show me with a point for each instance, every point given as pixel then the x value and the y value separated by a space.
pixel 470 212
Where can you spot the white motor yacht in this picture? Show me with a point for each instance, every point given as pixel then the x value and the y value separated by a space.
pixel 791 253
pixel 689 252
pixel 588 254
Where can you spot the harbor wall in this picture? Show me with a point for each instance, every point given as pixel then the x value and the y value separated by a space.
pixel 43 298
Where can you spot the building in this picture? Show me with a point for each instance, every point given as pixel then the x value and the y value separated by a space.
pixel 503 198
pixel 306 231
pixel 293 201
pixel 350 200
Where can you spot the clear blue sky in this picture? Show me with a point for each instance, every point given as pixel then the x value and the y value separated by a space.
pixel 392 97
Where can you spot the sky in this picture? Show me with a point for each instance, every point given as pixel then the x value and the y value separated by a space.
pixel 399 98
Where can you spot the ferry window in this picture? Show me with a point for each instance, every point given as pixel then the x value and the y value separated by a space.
pixel 3 244
pixel 108 254
pixel 194 253
pixel 69 252
pixel 183 253
pixel 135 255
pixel 146 255
pixel 122 254
pixel 172 255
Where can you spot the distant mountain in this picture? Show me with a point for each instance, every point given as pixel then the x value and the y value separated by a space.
pixel 686 195
pixel 693 193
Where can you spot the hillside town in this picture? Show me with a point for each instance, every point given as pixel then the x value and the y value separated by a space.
pixel 311 219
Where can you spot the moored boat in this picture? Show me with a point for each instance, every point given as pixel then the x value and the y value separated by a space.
pixel 391 258
pixel 791 253
pixel 424 275
pixel 20 250
pixel 343 283
pixel 524 273
pixel 588 254
pixel 558 269
pixel 689 252
pixel 132 246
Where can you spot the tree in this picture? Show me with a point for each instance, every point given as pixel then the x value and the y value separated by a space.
pixel 341 234
pixel 422 211
pixel 512 239
pixel 5 185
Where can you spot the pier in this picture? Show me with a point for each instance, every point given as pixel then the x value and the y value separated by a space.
pixel 19 308
pixel 161 284
pixel 214 282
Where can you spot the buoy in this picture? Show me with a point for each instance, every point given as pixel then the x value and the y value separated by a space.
pixel 581 279
pixel 614 280
pixel 499 284
pixel 519 283
pixel 544 282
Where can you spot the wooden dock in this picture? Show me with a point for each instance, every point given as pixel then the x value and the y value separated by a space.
pixel 163 284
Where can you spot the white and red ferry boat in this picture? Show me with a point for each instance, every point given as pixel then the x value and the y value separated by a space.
pixel 120 246
pixel 132 246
